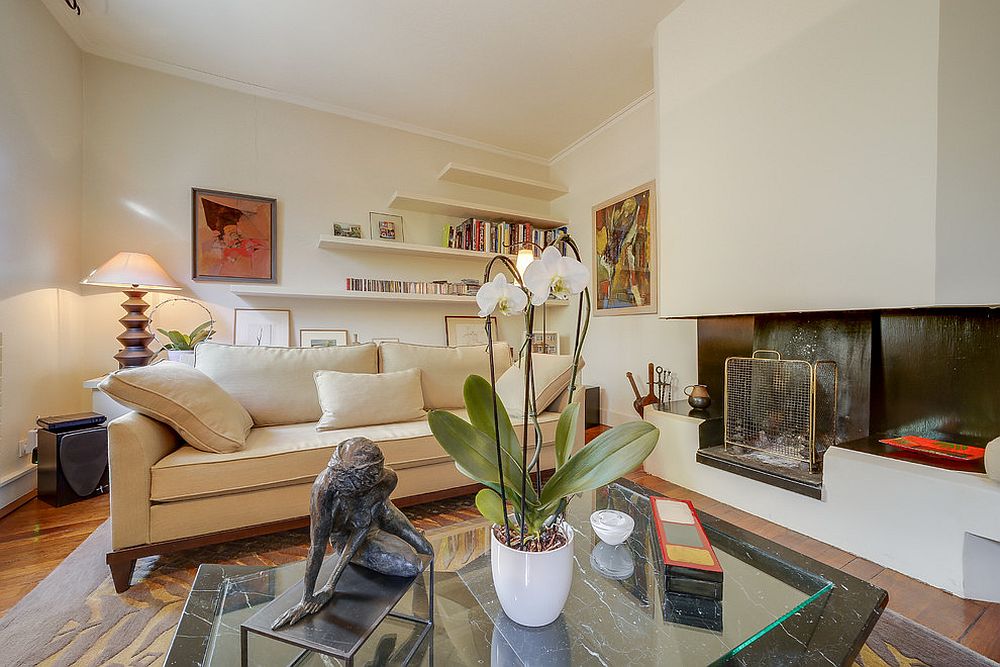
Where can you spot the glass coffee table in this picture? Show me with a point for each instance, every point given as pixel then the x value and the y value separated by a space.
pixel 778 606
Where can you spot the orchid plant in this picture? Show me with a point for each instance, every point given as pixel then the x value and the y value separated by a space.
pixel 486 447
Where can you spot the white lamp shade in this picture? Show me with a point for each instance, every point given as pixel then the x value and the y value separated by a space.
pixel 525 256
pixel 131 270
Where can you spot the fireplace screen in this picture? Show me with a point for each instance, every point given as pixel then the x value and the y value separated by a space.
pixel 773 407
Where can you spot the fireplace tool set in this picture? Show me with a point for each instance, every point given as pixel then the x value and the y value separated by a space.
pixel 660 390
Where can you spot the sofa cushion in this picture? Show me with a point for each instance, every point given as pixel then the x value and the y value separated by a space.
pixel 552 375
pixel 295 454
pixel 360 399
pixel 443 369
pixel 275 384
pixel 186 399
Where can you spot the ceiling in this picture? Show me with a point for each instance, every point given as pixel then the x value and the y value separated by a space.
pixel 525 76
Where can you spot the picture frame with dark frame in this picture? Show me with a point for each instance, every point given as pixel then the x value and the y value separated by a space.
pixel 634 214
pixel 386 227
pixel 262 327
pixel 233 237
pixel 323 338
pixel 467 330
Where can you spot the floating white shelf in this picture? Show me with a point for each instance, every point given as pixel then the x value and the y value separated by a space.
pixel 494 180
pixel 285 293
pixel 461 209
pixel 370 245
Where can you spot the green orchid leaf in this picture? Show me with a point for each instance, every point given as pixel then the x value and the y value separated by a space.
pixel 603 460
pixel 566 433
pixel 204 326
pixel 489 505
pixel 479 404
pixel 474 452
pixel 179 340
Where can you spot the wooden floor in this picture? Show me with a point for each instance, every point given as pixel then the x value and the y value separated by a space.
pixel 36 537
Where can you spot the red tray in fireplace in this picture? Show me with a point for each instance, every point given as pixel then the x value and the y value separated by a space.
pixel 949 450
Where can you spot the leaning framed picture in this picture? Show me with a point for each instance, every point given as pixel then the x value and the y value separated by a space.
pixel 233 237
pixel 346 230
pixel 261 327
pixel 466 330
pixel 386 227
pixel 624 263
pixel 323 338
pixel 545 342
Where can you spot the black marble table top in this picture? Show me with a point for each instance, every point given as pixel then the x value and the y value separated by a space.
pixel 778 607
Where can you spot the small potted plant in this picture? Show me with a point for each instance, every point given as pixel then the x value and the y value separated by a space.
pixel 181 345
pixel 531 542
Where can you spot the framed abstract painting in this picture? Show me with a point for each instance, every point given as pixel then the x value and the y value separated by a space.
pixel 233 237
pixel 625 253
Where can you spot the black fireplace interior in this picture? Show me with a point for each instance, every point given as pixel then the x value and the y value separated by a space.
pixel 932 372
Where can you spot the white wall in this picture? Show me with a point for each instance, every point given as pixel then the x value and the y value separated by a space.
pixel 797 154
pixel 40 163
pixel 615 160
pixel 968 198
pixel 150 137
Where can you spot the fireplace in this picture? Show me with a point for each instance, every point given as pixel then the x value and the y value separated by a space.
pixel 932 372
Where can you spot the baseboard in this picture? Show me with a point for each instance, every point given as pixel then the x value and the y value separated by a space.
pixel 612 418
pixel 16 489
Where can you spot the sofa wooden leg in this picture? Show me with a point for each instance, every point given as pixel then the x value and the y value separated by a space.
pixel 121 572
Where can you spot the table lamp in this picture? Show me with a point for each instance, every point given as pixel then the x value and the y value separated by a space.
pixel 136 273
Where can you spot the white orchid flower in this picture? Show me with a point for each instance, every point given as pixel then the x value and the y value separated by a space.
pixel 498 293
pixel 556 275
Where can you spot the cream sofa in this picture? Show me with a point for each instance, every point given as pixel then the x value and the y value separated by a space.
pixel 167 496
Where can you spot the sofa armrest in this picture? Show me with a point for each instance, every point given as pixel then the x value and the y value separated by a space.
pixel 135 443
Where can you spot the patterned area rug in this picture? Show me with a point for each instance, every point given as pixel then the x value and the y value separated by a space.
pixel 74 617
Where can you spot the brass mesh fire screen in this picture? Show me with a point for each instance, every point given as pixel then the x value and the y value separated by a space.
pixel 773 407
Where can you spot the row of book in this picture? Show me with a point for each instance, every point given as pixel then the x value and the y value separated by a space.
pixel 465 287
pixel 496 236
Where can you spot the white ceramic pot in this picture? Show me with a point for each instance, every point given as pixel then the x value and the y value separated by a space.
pixel 183 356
pixel 532 587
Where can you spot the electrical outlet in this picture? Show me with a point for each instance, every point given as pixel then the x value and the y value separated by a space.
pixel 26 445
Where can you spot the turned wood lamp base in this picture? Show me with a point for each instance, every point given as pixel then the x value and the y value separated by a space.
pixel 136 337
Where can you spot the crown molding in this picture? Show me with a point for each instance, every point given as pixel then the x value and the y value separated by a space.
pixel 306 101
pixel 625 111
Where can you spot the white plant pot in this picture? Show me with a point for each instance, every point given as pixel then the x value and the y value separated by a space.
pixel 183 356
pixel 532 587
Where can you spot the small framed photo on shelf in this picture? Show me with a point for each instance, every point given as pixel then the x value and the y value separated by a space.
pixel 545 343
pixel 348 231
pixel 467 330
pixel 323 338
pixel 386 227
pixel 261 327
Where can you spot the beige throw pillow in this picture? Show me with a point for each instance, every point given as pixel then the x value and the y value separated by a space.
pixel 361 399
pixel 275 384
pixel 443 369
pixel 197 408
pixel 552 375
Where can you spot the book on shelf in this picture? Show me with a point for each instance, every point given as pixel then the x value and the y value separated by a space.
pixel 464 287
pixel 496 236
